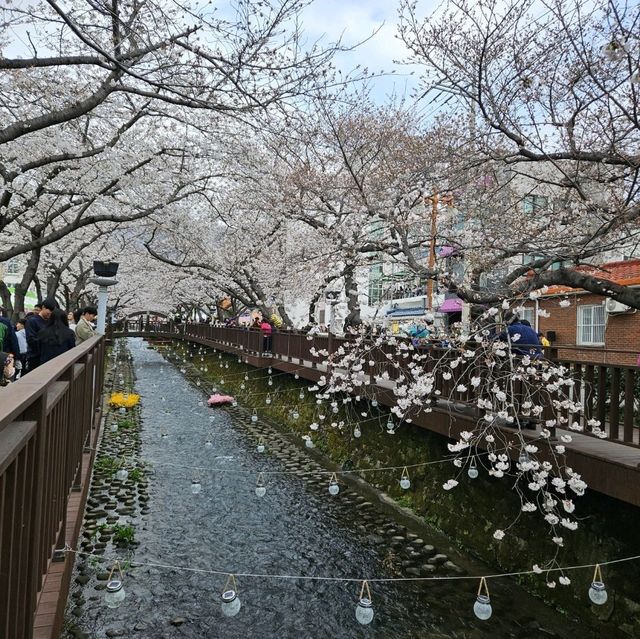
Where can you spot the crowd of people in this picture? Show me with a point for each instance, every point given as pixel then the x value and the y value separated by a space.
pixel 43 334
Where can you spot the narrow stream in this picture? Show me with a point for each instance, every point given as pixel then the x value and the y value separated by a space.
pixel 297 528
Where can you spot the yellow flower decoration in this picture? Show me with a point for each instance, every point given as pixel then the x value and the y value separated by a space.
pixel 124 400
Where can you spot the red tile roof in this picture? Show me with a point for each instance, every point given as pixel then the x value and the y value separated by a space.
pixel 624 272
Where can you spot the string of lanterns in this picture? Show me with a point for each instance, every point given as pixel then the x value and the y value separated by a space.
pixel 364 612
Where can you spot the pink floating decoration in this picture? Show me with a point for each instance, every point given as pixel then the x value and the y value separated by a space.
pixel 219 400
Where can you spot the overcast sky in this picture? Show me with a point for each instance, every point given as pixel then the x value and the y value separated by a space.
pixel 354 20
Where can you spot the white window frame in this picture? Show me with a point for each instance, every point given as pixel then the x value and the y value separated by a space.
pixel 533 203
pixel 529 314
pixel 586 327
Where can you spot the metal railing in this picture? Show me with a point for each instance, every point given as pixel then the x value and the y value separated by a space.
pixel 608 393
pixel 46 419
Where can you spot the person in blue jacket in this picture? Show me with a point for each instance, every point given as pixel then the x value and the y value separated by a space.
pixel 523 339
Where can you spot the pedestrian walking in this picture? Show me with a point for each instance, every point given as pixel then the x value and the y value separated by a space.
pixel 84 329
pixel 267 331
pixel 33 326
pixel 55 338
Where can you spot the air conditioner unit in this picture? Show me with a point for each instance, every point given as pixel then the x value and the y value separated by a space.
pixel 613 306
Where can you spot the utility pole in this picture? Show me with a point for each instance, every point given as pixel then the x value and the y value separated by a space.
pixel 435 201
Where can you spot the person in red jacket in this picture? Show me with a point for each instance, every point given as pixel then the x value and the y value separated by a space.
pixel 266 329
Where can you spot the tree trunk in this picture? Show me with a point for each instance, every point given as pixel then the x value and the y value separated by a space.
pixel 286 320
pixel 353 317
pixel 53 282
pixel 23 286
pixel 36 282
pixel 5 298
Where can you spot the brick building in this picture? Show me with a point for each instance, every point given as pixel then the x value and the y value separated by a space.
pixel 590 327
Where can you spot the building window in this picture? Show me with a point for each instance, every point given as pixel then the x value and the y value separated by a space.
pixel 532 204
pixel 13 266
pixel 529 315
pixel 375 283
pixel 591 325
pixel 530 258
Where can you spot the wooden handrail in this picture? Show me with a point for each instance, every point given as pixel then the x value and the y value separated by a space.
pixel 46 420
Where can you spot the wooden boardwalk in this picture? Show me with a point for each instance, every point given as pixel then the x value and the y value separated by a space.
pixel 607 466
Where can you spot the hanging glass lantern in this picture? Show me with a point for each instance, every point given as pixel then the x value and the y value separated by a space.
pixel 239 360
pixel 122 474
pixel 334 408
pixel 308 442
pixel 242 386
pixel 296 376
pixel 523 457
pixel 269 371
pixel 364 609
pixel 234 403
pixel 482 607
pixel 198 383
pixel 254 416
pixel 230 601
pixel 246 377
pixel 405 482
pixel 357 433
pixel 374 402
pixel 221 382
pixel 390 425
pixel 260 446
pixel 334 488
pixel 115 593
pixel 473 469
pixel 597 590
pixel 208 443
pixel 200 403
pixel 226 364
pixel 261 489
pixel 295 414
pixel 196 486
pixel 270 382
pixel 301 395
pixel 267 401
pixel 164 434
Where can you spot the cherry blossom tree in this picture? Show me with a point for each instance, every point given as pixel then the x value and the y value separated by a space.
pixel 549 91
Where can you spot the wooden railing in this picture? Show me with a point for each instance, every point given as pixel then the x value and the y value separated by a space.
pixel 45 421
pixel 608 393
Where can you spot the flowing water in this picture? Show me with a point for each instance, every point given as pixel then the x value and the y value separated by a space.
pixel 297 528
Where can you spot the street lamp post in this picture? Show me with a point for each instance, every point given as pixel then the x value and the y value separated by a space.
pixel 105 276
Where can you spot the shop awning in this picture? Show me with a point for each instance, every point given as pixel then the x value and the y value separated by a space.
pixel 451 305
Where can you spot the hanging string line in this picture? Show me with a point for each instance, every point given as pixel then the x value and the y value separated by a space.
pixel 209 571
